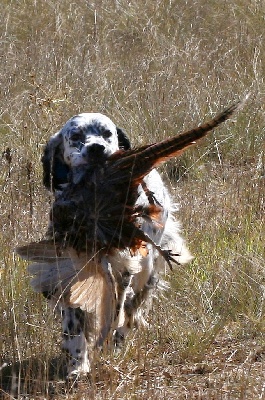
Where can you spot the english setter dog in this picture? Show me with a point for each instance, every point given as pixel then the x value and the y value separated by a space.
pixel 102 295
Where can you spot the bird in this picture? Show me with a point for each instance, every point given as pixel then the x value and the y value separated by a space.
pixel 97 209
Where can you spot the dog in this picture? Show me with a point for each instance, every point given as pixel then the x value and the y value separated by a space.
pixel 102 294
pixel 85 140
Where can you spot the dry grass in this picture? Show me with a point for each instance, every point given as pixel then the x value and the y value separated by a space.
pixel 155 68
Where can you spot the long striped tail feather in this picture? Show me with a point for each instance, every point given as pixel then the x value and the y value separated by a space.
pixel 145 158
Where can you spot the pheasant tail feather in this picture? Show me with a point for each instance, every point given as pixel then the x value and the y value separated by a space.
pixel 143 159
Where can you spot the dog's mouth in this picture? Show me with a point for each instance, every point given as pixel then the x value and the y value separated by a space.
pixel 93 158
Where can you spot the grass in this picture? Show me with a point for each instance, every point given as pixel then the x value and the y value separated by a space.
pixel 156 68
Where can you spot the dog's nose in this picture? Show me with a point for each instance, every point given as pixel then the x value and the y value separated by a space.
pixel 95 151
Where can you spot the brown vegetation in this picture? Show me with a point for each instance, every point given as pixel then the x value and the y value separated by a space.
pixel 156 68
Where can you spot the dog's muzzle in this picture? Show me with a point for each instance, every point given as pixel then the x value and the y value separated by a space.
pixel 95 150
pixel 94 153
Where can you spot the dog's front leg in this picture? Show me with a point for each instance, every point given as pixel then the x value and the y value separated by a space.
pixel 75 342
pixel 89 304
pixel 125 292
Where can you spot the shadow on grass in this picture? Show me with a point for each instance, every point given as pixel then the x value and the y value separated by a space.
pixel 36 377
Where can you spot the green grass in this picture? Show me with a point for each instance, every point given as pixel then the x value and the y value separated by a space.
pixel 156 68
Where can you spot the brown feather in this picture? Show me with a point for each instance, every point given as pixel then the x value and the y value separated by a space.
pixel 43 251
pixel 94 291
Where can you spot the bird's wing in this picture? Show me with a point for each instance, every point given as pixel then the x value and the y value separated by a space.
pixel 42 251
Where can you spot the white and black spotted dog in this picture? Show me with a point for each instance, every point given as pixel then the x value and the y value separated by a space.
pixel 101 298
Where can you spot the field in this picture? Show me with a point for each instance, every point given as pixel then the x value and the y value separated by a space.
pixel 156 68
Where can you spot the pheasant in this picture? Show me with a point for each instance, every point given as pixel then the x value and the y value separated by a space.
pixel 97 212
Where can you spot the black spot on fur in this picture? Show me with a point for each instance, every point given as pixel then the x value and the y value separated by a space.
pixel 126 279
pixel 118 339
pixel 124 142
pixel 47 295
pixel 80 315
pixel 70 325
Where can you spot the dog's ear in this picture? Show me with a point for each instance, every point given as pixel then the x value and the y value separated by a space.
pixel 55 170
pixel 124 142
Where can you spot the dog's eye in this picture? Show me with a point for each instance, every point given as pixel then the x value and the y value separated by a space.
pixel 106 134
pixel 76 136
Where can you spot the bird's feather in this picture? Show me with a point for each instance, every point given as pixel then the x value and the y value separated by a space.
pixel 42 251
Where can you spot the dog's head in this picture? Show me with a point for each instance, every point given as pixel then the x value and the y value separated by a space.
pixel 86 139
